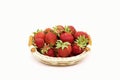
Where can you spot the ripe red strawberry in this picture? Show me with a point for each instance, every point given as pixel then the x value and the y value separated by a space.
pixel 73 30
pixel 58 29
pixel 80 44
pixel 76 49
pixel 64 48
pixel 67 37
pixel 50 53
pixel 46 50
pixel 39 42
pixel 50 38
pixel 81 33
pixel 39 34
pixel 70 29
pixel 48 30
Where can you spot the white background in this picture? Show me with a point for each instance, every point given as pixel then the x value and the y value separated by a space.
pixel 19 18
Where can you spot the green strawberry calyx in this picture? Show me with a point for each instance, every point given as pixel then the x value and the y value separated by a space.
pixel 82 41
pixel 67 29
pixel 60 44
pixel 45 49
pixel 57 31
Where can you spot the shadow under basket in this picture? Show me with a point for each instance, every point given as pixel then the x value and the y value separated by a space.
pixel 56 61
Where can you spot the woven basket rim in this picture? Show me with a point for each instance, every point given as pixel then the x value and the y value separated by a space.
pixel 36 53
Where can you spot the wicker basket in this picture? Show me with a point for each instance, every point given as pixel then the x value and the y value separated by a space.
pixel 56 61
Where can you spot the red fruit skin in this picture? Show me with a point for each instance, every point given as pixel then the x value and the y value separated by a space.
pixel 71 55
pixel 72 29
pixel 65 52
pixel 50 38
pixel 81 33
pixel 39 42
pixel 67 37
pixel 48 30
pixel 39 35
pixel 76 49
pixel 50 53
pixel 60 28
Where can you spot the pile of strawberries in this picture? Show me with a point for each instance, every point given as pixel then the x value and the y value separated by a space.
pixel 61 41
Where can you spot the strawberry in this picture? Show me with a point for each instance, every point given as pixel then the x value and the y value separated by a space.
pixel 39 34
pixel 61 41
pixel 46 50
pixel 76 49
pixel 39 38
pixel 48 30
pixel 64 48
pixel 39 42
pixel 50 38
pixel 70 29
pixel 79 45
pixel 67 37
pixel 58 29
pixel 81 33
pixel 50 53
